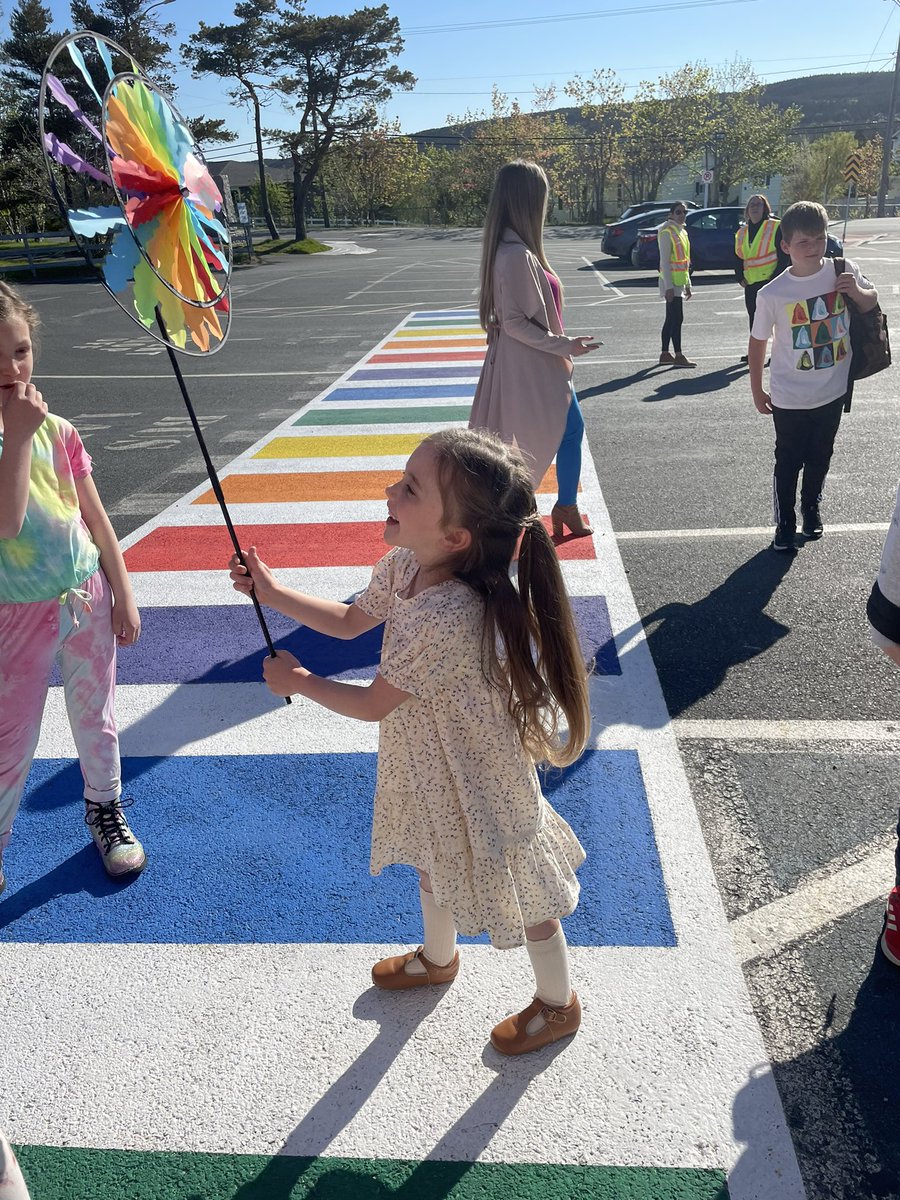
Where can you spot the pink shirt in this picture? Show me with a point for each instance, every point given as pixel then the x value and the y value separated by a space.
pixel 54 550
pixel 557 295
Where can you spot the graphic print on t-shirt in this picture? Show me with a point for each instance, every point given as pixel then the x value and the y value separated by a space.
pixel 819 331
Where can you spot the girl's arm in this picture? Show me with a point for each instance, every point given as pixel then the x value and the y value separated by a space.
pixel 286 677
pixel 524 312
pixel 331 617
pixel 126 620
pixel 23 414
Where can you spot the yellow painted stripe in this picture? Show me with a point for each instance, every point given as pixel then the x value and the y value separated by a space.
pixel 359 446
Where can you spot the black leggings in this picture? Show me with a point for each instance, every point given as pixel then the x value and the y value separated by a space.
pixel 751 291
pixel 671 330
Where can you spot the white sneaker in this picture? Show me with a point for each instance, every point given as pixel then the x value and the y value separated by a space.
pixel 120 850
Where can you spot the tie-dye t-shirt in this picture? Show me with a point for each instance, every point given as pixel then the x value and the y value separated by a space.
pixel 54 550
pixel 810 330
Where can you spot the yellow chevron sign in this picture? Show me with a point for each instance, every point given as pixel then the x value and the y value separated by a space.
pixel 852 168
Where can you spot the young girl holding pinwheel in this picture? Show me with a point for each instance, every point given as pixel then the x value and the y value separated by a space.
pixel 64 596
pixel 475 674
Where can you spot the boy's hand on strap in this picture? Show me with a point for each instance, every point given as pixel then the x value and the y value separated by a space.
pixel 278 673
pixel 255 577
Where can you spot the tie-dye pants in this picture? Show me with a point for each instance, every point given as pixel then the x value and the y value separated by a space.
pixel 79 636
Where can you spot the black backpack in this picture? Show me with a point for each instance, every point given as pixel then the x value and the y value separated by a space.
pixel 868 339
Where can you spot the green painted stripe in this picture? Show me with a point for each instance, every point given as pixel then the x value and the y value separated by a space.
pixel 56 1173
pixel 436 415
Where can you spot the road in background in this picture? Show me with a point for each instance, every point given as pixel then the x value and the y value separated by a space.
pixel 787 719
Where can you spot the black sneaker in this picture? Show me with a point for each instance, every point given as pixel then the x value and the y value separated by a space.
pixel 812 523
pixel 784 537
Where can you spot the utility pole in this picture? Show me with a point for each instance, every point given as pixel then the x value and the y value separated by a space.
pixel 889 138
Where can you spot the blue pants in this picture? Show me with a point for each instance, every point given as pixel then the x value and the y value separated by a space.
pixel 568 456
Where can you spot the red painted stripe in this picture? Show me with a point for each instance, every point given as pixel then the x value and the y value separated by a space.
pixel 327 544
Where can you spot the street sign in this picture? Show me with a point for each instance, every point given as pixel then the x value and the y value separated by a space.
pixel 243 215
pixel 852 168
pixel 706 176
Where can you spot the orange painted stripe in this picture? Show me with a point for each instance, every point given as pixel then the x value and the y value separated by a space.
pixel 297 486
pixel 460 356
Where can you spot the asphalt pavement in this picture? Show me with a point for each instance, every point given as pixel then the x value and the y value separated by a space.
pixel 787 719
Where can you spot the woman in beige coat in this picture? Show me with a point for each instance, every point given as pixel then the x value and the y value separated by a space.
pixel 525 391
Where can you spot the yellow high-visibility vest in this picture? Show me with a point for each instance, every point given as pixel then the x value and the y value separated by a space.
pixel 761 255
pixel 679 251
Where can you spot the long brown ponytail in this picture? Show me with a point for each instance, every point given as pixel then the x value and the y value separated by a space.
pixel 487 489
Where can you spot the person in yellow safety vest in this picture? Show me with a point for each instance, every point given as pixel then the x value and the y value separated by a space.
pixel 757 245
pixel 674 282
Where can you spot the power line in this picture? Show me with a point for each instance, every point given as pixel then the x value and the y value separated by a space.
pixel 561 17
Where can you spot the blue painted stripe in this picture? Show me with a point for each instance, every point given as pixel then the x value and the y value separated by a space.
pixel 223 644
pixel 227 863
pixel 436 390
pixel 414 372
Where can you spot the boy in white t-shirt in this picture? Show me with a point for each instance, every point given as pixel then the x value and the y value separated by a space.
pixel 804 312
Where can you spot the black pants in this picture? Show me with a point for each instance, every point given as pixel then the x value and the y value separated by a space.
pixel 671 330
pixel 751 291
pixel 804 440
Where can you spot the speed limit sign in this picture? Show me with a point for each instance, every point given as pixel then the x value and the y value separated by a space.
pixel 706 177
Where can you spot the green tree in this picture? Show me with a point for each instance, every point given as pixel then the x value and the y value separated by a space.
pixel 339 70
pixel 818 168
pixel 664 125
pixel 585 161
pixel 374 170
pixel 143 34
pixel 24 191
pixel 488 140
pixel 241 52
pixel 752 139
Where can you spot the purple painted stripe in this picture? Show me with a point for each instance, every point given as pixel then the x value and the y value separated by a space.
pixel 223 644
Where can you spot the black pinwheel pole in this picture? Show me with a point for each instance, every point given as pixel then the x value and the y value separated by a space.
pixel 214 479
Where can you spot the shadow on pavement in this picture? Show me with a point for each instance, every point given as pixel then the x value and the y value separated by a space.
pixel 437 1176
pixel 682 382
pixel 851 1073
pixel 694 646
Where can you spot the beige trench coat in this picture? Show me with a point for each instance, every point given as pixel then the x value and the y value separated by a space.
pixel 525 387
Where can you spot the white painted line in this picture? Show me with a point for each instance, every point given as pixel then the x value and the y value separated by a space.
pixel 789 731
pixel 809 909
pixel 633 535
pixel 287 1049
pixel 603 280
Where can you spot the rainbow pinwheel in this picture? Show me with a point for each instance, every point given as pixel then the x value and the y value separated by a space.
pixel 150 222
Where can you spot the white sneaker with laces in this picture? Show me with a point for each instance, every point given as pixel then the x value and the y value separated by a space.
pixel 120 850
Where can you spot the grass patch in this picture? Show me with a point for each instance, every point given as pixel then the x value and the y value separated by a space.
pixel 289 246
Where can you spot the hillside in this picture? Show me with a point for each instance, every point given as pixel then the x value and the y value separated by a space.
pixel 857 101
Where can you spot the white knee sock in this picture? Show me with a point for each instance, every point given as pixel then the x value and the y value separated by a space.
pixel 550 962
pixel 440 932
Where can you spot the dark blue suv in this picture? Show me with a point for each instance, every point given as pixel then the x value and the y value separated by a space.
pixel 711 232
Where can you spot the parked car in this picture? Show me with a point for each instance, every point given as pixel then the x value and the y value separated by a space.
pixel 620 237
pixel 711 232
pixel 645 206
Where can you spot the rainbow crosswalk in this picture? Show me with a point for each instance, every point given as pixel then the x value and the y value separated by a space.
pixel 209 1030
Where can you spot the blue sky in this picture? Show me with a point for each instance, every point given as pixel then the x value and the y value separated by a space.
pixel 518 44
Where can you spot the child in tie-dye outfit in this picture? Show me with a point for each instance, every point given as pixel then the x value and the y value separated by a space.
pixel 64 596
